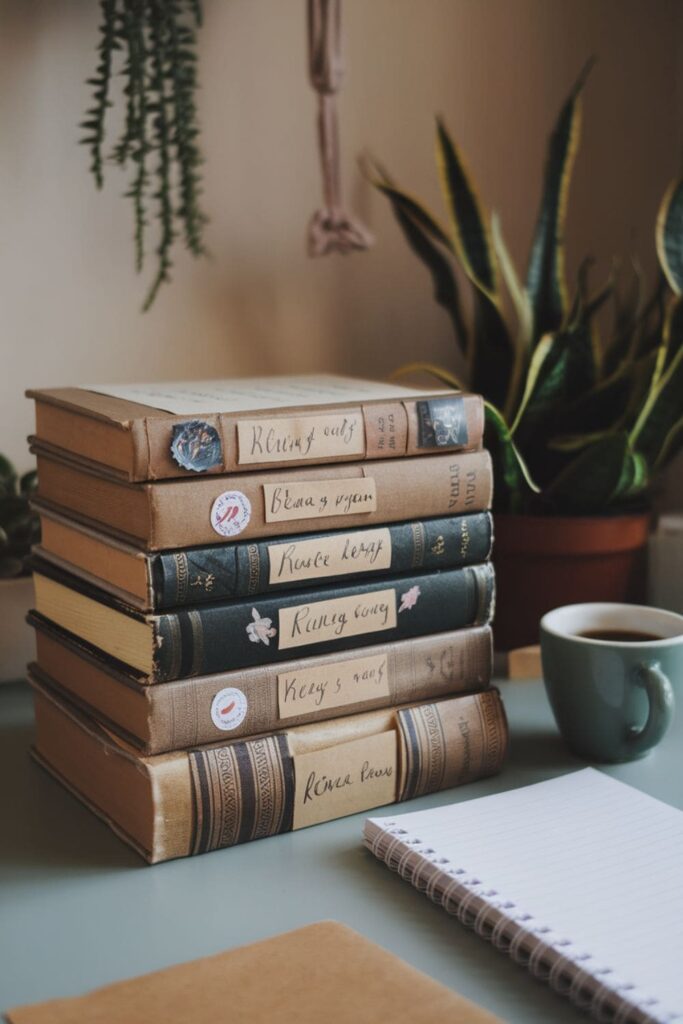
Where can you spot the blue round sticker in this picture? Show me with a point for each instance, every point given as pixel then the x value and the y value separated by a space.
pixel 196 446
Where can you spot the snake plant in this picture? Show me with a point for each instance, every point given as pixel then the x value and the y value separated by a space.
pixel 576 423
pixel 19 526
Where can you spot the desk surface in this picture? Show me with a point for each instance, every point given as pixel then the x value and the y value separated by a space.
pixel 78 909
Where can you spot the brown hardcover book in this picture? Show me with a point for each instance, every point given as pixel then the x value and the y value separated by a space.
pixel 211 510
pixel 323 972
pixel 151 432
pixel 187 713
pixel 185 803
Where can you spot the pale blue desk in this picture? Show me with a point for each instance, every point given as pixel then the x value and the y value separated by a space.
pixel 78 909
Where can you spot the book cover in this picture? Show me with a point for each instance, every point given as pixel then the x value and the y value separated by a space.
pixel 355 981
pixel 243 633
pixel 218 509
pixel 231 705
pixel 194 802
pixel 159 581
pixel 158 431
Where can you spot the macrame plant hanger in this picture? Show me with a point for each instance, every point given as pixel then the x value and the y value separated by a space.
pixel 331 229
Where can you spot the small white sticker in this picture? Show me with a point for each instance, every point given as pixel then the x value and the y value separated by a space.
pixel 230 513
pixel 228 708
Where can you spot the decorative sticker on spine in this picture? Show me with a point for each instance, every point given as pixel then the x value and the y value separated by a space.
pixel 230 513
pixel 337 618
pixel 345 778
pixel 442 423
pixel 319 498
pixel 337 685
pixel 334 555
pixel 298 438
pixel 196 445
pixel 229 708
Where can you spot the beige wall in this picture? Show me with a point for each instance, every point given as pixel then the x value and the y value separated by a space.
pixel 497 69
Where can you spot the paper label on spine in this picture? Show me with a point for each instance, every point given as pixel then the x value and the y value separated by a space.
pixel 327 687
pixel 336 619
pixel 345 779
pixel 318 498
pixel 296 438
pixel 335 555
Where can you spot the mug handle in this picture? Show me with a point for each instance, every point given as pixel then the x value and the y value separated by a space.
pixel 660 697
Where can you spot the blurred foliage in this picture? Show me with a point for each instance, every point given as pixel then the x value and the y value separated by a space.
pixel 19 525
pixel 155 42
pixel 576 423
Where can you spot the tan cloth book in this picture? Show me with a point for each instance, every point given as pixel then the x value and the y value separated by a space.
pixel 156 431
pixel 324 972
pixel 190 802
pixel 218 509
pixel 236 704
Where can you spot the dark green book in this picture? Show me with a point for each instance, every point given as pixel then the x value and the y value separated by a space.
pixel 242 633
pixel 217 572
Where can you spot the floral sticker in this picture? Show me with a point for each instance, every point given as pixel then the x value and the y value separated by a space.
pixel 409 599
pixel 260 630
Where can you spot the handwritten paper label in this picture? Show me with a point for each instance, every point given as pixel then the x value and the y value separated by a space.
pixel 336 619
pixel 327 687
pixel 336 555
pixel 344 779
pixel 294 438
pixel 317 498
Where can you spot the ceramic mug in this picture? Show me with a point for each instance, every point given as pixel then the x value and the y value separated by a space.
pixel 612 698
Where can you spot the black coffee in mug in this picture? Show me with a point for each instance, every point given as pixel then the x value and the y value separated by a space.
pixel 619 636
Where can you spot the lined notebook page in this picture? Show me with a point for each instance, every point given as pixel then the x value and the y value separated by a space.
pixel 594 860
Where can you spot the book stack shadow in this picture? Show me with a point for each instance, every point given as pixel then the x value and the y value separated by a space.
pixel 262 604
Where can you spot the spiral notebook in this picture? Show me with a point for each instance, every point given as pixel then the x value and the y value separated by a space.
pixel 579 878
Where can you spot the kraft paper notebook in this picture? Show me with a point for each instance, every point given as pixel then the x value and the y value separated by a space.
pixel 324 972
pixel 579 878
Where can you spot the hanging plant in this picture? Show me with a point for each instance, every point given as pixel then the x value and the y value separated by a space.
pixel 155 43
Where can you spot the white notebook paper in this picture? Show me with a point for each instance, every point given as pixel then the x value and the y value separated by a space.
pixel 580 878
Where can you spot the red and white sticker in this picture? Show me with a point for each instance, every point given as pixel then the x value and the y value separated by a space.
pixel 228 708
pixel 230 513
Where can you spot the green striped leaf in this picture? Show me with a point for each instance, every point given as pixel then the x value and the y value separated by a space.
pixel 545 280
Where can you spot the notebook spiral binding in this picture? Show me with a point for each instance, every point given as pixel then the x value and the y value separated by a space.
pixel 548 956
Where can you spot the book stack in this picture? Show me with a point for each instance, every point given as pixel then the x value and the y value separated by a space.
pixel 261 604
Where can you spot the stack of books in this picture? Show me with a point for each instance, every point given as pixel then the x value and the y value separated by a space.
pixel 261 604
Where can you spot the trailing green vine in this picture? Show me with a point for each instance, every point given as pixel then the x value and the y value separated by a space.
pixel 156 42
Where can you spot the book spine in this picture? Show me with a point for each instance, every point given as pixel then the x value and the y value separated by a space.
pixel 340 497
pixel 255 788
pixel 241 634
pixel 214 573
pixel 324 435
pixel 186 713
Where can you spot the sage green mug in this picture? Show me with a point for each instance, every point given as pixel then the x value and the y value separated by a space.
pixel 611 691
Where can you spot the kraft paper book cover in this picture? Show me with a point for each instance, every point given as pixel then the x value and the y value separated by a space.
pixel 186 803
pixel 218 509
pixel 355 980
pixel 157 431
pixel 240 703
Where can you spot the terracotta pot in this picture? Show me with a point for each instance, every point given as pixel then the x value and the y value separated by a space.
pixel 542 562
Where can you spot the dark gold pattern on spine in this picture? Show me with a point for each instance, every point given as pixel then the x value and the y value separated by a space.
pixel 494 731
pixel 254 570
pixel 485 590
pixel 418 545
pixel 172 649
pixel 197 643
pixel 424 746
pixel 242 791
pixel 182 577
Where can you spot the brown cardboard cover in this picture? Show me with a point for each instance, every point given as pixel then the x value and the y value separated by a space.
pixel 172 716
pixel 355 981
pixel 173 514
pixel 132 441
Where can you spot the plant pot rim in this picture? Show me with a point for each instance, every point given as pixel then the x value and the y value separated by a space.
pixel 570 535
